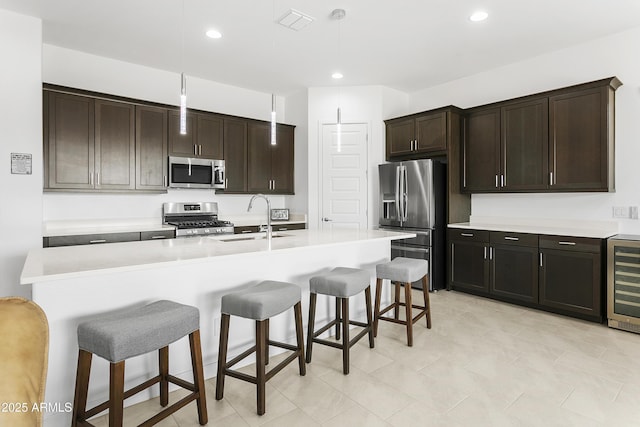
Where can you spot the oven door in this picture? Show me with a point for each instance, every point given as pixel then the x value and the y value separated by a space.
pixel 416 252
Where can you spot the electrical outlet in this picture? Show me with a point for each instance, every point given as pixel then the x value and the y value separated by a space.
pixel 628 212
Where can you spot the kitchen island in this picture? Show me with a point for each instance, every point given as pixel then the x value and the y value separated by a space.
pixel 76 283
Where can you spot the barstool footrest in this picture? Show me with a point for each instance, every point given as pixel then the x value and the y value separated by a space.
pixel 325 328
pixel 338 344
pixel 169 410
pixel 251 378
pixel 423 312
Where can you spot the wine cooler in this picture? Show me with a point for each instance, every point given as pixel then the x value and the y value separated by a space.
pixel 623 282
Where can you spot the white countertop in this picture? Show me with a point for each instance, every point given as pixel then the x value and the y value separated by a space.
pixel 46 264
pixel 561 227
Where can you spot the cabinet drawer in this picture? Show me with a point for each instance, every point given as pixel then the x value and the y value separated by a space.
pixel 285 227
pixel 246 229
pixel 154 235
pixel 90 239
pixel 577 244
pixel 516 239
pixel 468 235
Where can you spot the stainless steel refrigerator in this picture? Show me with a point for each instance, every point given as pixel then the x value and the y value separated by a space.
pixel 413 198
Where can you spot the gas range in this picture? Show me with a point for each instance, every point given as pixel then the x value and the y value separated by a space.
pixel 195 219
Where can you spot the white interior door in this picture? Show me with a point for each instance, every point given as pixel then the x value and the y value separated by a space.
pixel 344 177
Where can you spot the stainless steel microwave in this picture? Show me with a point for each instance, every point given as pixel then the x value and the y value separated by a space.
pixel 187 172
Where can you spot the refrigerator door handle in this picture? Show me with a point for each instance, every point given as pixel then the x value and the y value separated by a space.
pixel 397 191
pixel 405 200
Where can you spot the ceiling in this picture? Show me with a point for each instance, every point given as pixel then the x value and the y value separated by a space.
pixel 407 45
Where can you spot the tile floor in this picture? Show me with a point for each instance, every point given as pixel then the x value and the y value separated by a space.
pixel 484 363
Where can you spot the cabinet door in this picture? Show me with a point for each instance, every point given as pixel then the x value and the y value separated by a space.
pixel 114 145
pixel 282 161
pixel 259 158
pixel 151 148
pixel 571 282
pixel 431 133
pixel 400 135
pixel 235 155
pixel 481 151
pixel 514 272
pixel 579 126
pixel 71 141
pixel 182 145
pixel 469 260
pixel 209 136
pixel 525 146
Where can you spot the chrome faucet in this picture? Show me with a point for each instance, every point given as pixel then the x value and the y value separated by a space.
pixel 262 196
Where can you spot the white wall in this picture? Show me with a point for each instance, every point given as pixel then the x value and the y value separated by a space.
pixel 615 55
pixel 21 129
pixel 90 72
pixel 361 104
pixel 297 111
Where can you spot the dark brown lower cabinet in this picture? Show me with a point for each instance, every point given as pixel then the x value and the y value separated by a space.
pixel 469 270
pixel 571 278
pixel 514 266
pixel 555 273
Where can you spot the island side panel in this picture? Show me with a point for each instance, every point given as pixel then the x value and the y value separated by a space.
pixel 70 301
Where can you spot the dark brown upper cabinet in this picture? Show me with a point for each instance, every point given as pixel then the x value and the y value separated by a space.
pixel 204 136
pixel 151 148
pixel 582 138
pixel 417 136
pixel 481 151
pixel 235 155
pixel 270 166
pixel 91 143
pixel 561 140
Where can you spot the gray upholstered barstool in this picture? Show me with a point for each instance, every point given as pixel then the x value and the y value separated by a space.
pixel 260 303
pixel 402 271
pixel 128 333
pixel 342 283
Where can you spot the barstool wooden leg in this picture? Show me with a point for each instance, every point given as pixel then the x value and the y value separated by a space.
pixel 222 355
pixel 367 297
pixel 297 310
pixel 376 311
pixel 266 338
pixel 337 319
pixel 163 363
pixel 82 387
pixel 116 393
pixel 427 304
pixel 407 293
pixel 345 335
pixel 396 300
pixel 198 376
pixel 310 332
pixel 260 365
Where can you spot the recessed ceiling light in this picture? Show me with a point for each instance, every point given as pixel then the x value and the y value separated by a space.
pixel 479 16
pixel 214 34
pixel 337 75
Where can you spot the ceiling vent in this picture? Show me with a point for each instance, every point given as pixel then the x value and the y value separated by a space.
pixel 295 20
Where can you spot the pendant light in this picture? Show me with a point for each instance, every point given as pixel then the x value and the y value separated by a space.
pixel 183 86
pixel 273 95
pixel 338 15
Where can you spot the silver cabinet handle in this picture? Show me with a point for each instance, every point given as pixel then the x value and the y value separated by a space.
pixel 91 179
pixel 496 181
pixel 550 178
pixel 195 149
pixel 274 185
pixel 226 182
pixel 164 181
pixel 485 252
pixel 200 150
pixel 98 241
pixel 247 231
pixel 502 181
pixel 158 237
pixel 97 178
pixel 567 243
pixel 283 229
pixel 490 252
pixel 467 234
pixel 515 239
pixel 540 259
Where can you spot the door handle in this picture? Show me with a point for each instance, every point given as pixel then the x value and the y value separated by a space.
pixel 325 219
